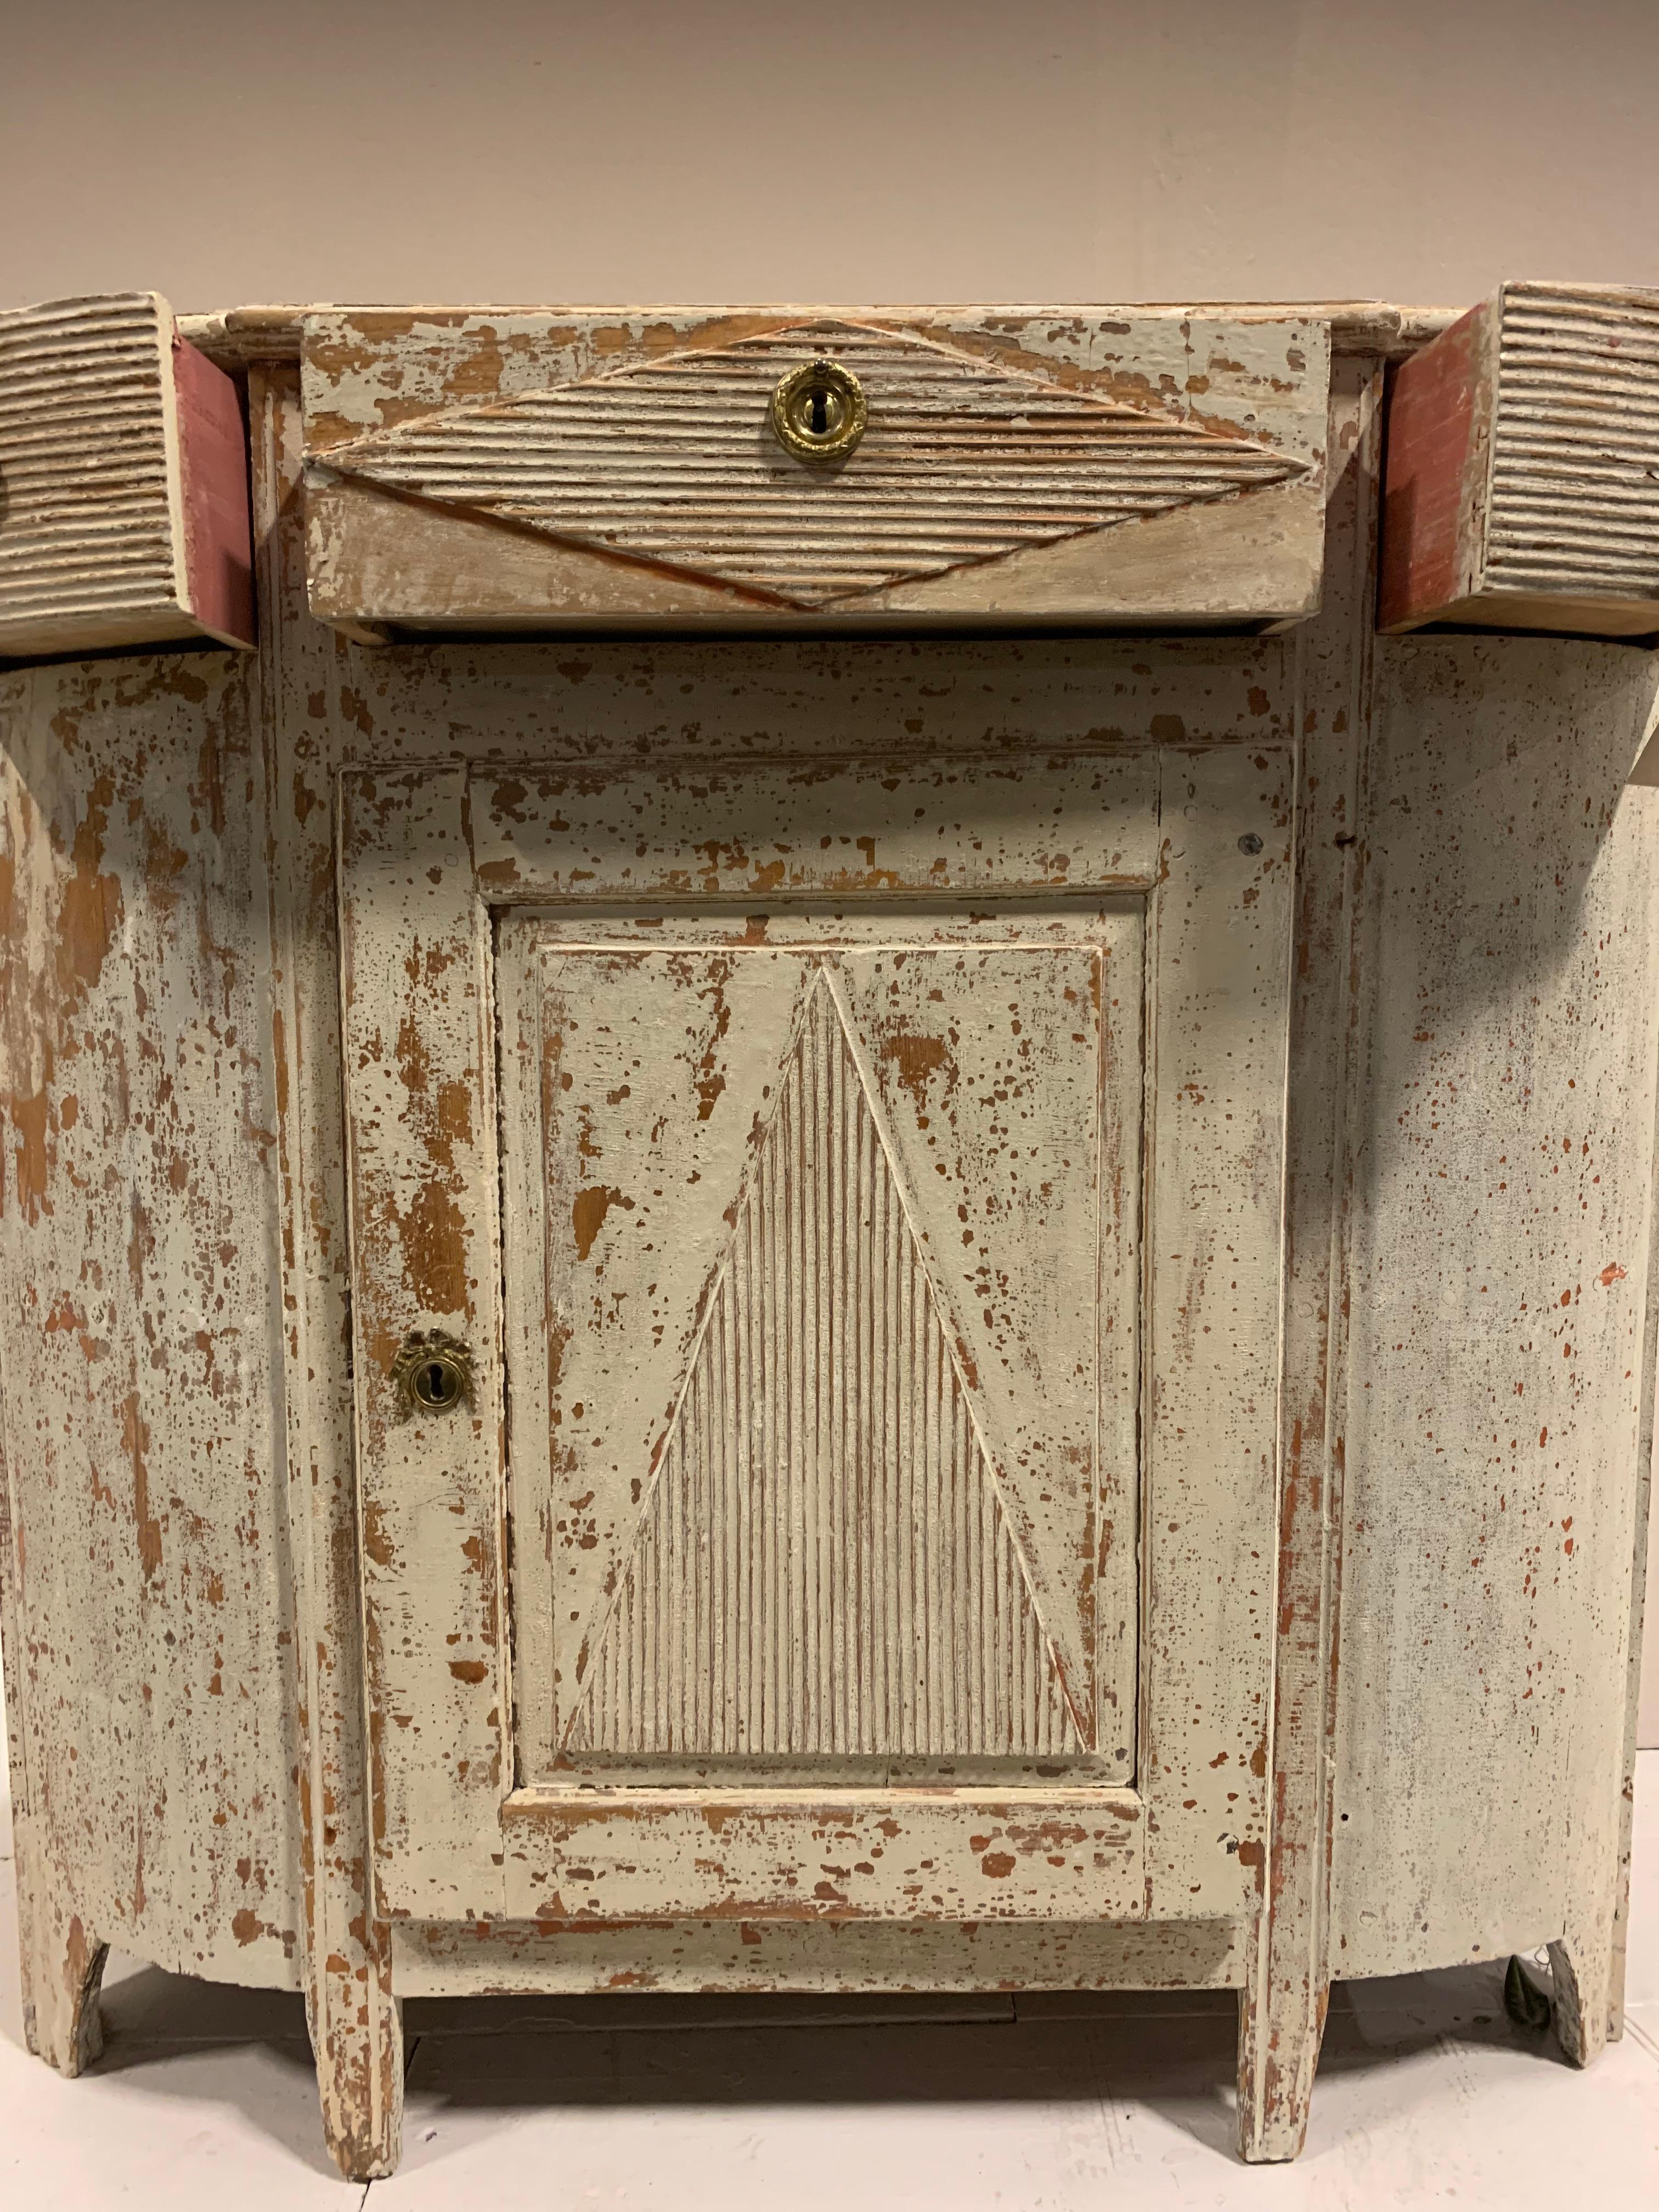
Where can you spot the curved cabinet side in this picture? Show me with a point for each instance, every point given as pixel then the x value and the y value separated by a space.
pixel 1502 1164
pixel 149 1654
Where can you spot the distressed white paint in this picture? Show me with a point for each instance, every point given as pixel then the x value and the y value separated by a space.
pixel 103 539
pixel 893 1518
pixel 1497 770
pixel 417 960
pixel 1060 465
pixel 441 1959
pixel 1502 1188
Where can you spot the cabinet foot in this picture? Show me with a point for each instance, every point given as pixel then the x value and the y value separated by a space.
pixel 357 2038
pixel 1581 1967
pixel 63 1967
pixel 1280 2031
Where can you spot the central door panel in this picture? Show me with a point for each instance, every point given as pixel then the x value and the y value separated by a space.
pixel 819 1297
pixel 856 1196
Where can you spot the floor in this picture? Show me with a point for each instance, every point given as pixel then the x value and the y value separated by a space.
pixel 1426 2096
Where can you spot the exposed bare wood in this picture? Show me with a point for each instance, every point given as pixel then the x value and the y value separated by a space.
pixel 425 1181
pixel 565 1958
pixel 148 1640
pixel 1282 2008
pixel 63 1970
pixel 1581 1971
pixel 642 447
pixel 1368 329
pixel 356 2028
pixel 829 1854
pixel 1051 1330
pixel 964 462
pixel 1502 1210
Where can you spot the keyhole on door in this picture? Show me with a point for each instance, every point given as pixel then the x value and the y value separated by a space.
pixel 820 411
pixel 432 1373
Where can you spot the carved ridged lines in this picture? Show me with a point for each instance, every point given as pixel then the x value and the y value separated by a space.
pixel 823 1566
pixel 673 461
pixel 1574 498
pixel 85 520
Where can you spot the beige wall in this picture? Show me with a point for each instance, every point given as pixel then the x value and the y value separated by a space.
pixel 874 150
pixel 850 149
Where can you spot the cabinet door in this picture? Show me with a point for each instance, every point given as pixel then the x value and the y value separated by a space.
pixel 778 1151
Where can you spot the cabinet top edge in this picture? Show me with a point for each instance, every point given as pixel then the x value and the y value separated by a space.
pixel 239 336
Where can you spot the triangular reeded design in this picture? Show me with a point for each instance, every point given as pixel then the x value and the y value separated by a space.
pixel 670 461
pixel 823 1565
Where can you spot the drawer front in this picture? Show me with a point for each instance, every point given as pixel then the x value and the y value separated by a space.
pixel 780 1162
pixel 537 471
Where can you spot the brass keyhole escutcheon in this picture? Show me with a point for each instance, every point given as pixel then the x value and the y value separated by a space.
pixel 432 1373
pixel 818 411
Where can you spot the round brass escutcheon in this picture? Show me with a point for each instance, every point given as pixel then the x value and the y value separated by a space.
pixel 818 411
pixel 432 1373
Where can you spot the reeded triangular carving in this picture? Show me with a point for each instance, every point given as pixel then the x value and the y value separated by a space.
pixel 671 461
pixel 823 1565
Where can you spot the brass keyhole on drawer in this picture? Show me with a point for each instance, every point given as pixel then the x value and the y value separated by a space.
pixel 432 1373
pixel 818 411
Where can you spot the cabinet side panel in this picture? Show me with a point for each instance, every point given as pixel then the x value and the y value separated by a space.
pixel 150 1659
pixel 1501 1162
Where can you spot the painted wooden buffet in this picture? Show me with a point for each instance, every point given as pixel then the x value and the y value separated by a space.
pixel 828 1141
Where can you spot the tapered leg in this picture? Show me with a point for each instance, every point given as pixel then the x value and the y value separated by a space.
pixel 355 2030
pixel 1281 2025
pixel 357 2038
pixel 61 1968
pixel 1583 1969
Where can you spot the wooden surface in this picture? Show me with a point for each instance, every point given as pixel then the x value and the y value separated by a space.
pixel 635 454
pixel 1502 1212
pixel 213 497
pixel 1368 330
pixel 668 461
pixel 123 468
pixel 889 1524
pixel 425 1178
pixel 1485 942
pixel 149 1638
pixel 833 1854
pixel 1521 491
pixel 353 2016
pixel 482 1957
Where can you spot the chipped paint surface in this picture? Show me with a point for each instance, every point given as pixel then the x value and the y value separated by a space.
pixel 123 481
pixel 439 1959
pixel 1498 1292
pixel 1378 1626
pixel 614 1327
pixel 669 460
pixel 581 1856
pixel 932 1360
pixel 1520 486
pixel 148 1630
pixel 479 469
